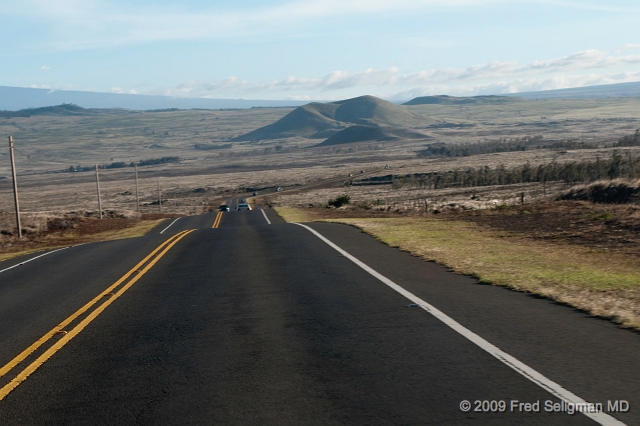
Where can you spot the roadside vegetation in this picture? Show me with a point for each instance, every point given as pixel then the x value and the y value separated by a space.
pixel 121 164
pixel 47 231
pixel 339 201
pixel 525 143
pixel 581 253
pixel 618 165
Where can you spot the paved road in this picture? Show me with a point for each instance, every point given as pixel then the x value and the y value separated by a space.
pixel 260 324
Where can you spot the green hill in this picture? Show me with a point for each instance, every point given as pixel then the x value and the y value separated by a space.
pixel 369 133
pixel 305 121
pixel 64 109
pixel 376 111
pixel 321 120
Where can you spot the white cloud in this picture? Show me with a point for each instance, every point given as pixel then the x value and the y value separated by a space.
pixel 517 85
pixel 121 90
pixel 298 98
pixel 585 60
pixel 102 22
pixel 79 24
pixel 573 70
pixel 45 68
pixel 628 46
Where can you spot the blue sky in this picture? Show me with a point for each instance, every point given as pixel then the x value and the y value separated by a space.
pixel 329 49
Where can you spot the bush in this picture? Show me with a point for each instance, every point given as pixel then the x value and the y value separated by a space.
pixel 617 191
pixel 340 201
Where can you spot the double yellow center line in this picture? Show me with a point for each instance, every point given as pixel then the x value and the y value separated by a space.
pixel 216 222
pixel 113 292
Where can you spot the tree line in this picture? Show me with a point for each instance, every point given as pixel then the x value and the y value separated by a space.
pixel 526 143
pixel 629 140
pixel 121 164
pixel 617 166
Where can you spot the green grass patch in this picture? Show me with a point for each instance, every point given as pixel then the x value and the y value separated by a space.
pixel 292 214
pixel 502 258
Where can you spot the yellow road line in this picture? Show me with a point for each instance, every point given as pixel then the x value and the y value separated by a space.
pixel 22 376
pixel 217 220
pixel 24 354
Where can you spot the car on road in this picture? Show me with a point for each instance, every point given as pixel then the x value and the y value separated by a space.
pixel 255 193
pixel 243 206
pixel 223 208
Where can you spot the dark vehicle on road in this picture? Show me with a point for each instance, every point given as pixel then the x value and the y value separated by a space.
pixel 223 208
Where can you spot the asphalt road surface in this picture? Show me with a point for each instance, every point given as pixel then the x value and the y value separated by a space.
pixel 252 323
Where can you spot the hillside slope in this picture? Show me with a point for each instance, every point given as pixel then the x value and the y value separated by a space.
pixel 321 120
pixel 369 133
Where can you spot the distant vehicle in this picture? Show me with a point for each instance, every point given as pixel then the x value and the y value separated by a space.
pixel 242 200
pixel 223 208
pixel 278 189
pixel 361 171
pixel 255 193
pixel 350 174
pixel 243 206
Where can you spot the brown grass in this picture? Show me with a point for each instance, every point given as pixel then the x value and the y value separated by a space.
pixel 618 191
pixel 74 228
pixel 134 136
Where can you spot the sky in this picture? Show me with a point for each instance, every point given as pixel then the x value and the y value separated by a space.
pixel 318 49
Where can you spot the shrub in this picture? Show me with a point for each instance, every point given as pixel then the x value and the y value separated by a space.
pixel 340 201
pixel 618 191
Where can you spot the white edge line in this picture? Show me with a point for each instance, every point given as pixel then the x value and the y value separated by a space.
pixel 518 366
pixel 162 232
pixel 265 216
pixel 34 258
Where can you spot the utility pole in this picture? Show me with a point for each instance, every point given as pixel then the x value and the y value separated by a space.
pixel 98 188
pixel 137 196
pixel 159 196
pixel 15 187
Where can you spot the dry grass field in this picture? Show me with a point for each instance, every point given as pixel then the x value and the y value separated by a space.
pixel 45 231
pixel 210 164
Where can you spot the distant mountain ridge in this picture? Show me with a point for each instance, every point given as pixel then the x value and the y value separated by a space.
pixel 454 100
pixel 618 90
pixel 321 120
pixel 58 110
pixel 17 98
